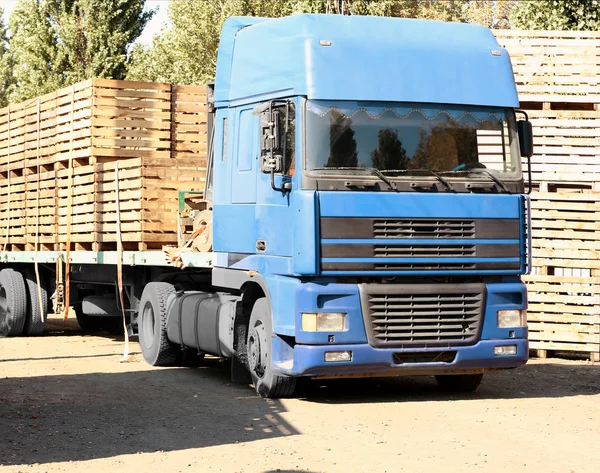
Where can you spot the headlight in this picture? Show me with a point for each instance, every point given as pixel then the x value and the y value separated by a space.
pixel 512 318
pixel 329 322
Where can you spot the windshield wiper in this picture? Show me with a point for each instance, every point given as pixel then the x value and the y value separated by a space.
pixel 384 178
pixel 373 171
pixel 494 178
pixel 435 174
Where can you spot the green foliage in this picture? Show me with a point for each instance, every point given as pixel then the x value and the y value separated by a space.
pixel 34 51
pixel 579 15
pixel 186 52
pixel 55 43
pixel 5 63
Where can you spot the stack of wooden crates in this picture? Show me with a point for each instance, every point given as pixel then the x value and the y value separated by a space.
pixel 558 80
pixel 98 153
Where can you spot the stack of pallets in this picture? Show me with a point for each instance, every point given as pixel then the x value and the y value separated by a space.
pixel 558 80
pixel 81 159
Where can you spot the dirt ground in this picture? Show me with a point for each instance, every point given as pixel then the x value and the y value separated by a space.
pixel 68 405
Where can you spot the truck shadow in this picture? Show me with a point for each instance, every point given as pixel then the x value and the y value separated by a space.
pixel 545 379
pixel 97 415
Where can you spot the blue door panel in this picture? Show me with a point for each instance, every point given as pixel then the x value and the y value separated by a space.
pixel 243 182
pixel 234 228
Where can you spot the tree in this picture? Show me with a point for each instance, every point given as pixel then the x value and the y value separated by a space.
pixel 186 51
pixel 389 153
pixel 95 35
pixel 34 51
pixel 558 15
pixel 56 43
pixel 5 63
pixel 342 145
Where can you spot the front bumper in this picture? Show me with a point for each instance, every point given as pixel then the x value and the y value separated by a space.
pixel 309 360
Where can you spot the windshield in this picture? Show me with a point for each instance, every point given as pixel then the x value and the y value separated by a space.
pixel 345 137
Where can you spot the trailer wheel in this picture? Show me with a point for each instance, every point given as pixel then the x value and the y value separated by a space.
pixel 459 383
pixel 157 349
pixel 36 315
pixel 13 303
pixel 259 355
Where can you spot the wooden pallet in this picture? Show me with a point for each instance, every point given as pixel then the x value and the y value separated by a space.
pixel 564 289
pixel 554 66
pixel 566 146
pixel 155 132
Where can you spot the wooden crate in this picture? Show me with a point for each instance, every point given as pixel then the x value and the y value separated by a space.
pixel 147 201
pixel 87 128
pixel 564 290
pixel 12 211
pixel 566 146
pixel 558 81
pixel 554 66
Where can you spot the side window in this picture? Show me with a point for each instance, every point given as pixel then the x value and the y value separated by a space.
pixel 288 128
pixel 246 140
pixel 224 150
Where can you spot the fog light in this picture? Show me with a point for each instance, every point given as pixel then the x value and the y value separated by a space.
pixel 505 350
pixel 326 322
pixel 338 356
pixel 512 318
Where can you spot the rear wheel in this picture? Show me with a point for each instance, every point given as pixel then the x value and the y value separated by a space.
pixel 36 315
pixel 157 349
pixel 259 355
pixel 13 303
pixel 459 383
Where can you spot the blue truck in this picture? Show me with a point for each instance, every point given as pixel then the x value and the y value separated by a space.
pixel 367 207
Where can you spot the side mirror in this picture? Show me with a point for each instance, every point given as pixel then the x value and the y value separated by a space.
pixel 525 131
pixel 274 117
pixel 270 139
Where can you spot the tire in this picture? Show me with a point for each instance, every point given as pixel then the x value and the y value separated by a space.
pixel 157 349
pixel 459 383
pixel 13 303
pixel 35 320
pixel 259 355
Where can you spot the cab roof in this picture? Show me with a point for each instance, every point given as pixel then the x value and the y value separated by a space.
pixel 364 58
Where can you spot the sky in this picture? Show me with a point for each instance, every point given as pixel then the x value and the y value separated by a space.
pixel 151 29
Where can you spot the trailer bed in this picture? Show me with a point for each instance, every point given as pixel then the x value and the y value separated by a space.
pixel 129 258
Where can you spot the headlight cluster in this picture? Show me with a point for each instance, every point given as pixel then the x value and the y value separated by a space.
pixel 324 322
pixel 512 318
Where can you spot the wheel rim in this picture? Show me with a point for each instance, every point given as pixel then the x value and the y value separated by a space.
pixel 257 345
pixel 3 305
pixel 148 322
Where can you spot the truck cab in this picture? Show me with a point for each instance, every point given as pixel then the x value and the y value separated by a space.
pixel 368 195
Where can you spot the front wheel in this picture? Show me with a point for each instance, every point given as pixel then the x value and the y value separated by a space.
pixel 260 358
pixel 459 383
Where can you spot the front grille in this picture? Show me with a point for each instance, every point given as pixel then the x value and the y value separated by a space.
pixel 423 315
pixel 424 251
pixel 423 228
